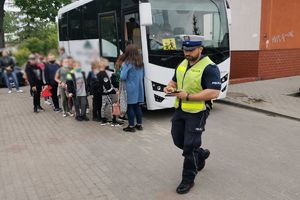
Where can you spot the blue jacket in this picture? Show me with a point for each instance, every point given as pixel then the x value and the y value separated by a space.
pixel 134 79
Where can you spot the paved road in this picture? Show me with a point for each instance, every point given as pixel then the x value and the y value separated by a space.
pixel 44 156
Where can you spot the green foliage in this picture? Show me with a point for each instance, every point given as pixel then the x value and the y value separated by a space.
pixel 22 55
pixel 52 43
pixel 42 40
pixel 32 20
pixel 11 20
pixel 33 44
pixel 36 45
pixel 41 9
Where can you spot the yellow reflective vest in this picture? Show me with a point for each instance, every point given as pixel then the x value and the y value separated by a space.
pixel 190 82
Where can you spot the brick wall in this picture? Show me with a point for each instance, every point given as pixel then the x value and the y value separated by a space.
pixel 265 64
pixel 244 64
pixel 279 63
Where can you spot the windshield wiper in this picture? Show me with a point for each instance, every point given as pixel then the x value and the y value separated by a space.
pixel 217 51
pixel 178 54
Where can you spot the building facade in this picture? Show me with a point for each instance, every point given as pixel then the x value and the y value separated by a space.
pixel 265 39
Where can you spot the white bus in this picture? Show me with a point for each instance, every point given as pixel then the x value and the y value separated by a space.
pixel 92 28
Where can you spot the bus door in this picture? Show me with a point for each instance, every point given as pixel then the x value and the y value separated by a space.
pixel 132 30
pixel 108 37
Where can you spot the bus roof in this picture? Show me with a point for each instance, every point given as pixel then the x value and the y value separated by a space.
pixel 73 5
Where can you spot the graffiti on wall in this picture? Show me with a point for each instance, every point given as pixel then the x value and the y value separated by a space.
pixel 282 37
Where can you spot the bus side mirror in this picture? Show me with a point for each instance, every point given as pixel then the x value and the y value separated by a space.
pixel 145 14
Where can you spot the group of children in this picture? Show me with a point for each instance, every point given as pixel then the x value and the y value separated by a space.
pixel 69 83
pixel 75 86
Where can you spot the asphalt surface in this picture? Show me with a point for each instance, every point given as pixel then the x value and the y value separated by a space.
pixel 45 156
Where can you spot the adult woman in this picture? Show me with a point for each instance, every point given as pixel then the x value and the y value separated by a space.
pixel 133 74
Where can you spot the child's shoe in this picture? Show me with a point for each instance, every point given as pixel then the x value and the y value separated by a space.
pixel 139 127
pixel 129 129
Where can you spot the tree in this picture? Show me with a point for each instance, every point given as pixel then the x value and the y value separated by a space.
pixel 35 11
pixel 43 40
pixel 11 26
pixel 45 10
pixel 38 15
pixel 11 22
pixel 195 26
pixel 2 44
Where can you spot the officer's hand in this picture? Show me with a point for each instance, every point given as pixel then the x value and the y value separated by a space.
pixel 169 89
pixel 70 95
pixel 33 89
pixel 166 90
pixel 181 95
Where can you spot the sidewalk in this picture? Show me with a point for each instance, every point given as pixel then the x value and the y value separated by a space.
pixel 276 97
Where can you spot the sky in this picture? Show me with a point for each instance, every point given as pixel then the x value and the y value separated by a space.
pixel 9 6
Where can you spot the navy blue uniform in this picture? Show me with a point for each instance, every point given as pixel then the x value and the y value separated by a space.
pixel 187 128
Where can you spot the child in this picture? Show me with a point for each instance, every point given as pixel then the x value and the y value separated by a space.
pixel 109 96
pixel 76 86
pixel 41 64
pixel 35 79
pixel 116 75
pixel 61 79
pixel 94 89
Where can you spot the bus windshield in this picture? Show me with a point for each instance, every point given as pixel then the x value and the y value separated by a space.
pixel 174 19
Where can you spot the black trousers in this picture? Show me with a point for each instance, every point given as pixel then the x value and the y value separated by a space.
pixel 54 95
pixel 37 96
pixel 187 129
pixel 97 105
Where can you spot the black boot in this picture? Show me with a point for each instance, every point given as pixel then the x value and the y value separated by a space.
pixel 35 110
pixel 184 187
pixel 201 163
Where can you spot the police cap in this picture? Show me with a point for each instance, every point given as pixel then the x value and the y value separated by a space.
pixel 191 42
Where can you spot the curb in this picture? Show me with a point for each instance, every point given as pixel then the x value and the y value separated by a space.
pixel 257 110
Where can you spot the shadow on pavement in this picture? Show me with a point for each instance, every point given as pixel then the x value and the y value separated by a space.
pixel 154 114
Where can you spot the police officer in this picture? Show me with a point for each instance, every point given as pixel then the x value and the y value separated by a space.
pixel 195 83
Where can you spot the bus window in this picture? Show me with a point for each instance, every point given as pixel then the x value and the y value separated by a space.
pixel 75 29
pixel 132 30
pixel 131 25
pixel 208 26
pixel 108 35
pixel 89 21
pixel 63 27
pixel 136 37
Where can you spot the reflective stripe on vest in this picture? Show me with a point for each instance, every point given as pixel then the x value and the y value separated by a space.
pixel 190 81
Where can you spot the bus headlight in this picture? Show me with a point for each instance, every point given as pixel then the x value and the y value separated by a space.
pixel 224 78
pixel 158 87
